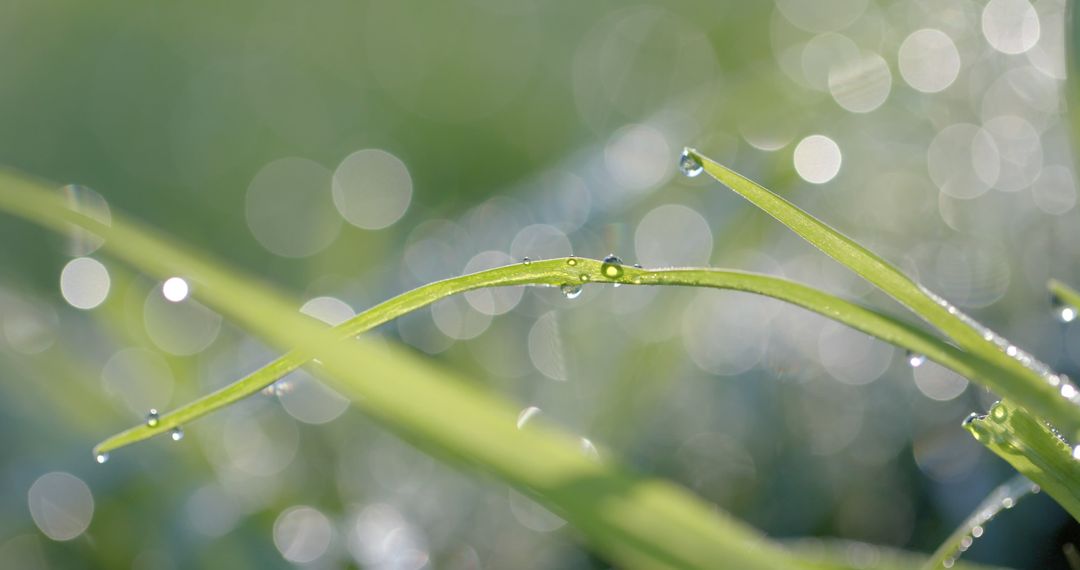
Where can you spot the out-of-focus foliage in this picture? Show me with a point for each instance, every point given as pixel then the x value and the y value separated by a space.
pixel 349 151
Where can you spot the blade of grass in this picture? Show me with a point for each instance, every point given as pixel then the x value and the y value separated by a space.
pixel 1027 383
pixel 636 522
pixel 572 270
pixel 1032 448
pixel 1004 497
pixel 1065 296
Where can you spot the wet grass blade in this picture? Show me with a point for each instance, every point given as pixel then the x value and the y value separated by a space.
pixel 572 270
pixel 1033 449
pixel 1002 498
pixel 1024 383
pixel 1066 300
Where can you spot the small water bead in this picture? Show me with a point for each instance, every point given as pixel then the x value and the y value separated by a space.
pixel 176 433
pixel 584 277
pixel 1068 391
pixel 1076 452
pixel 971 418
pixel 689 164
pixel 998 413
pixel 571 291
pixel 572 261
pixel 1063 311
pixel 101 457
pixel 152 418
pixel 915 359
pixel 526 261
pixel 612 267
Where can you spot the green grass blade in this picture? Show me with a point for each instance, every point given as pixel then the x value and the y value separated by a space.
pixel 572 270
pixel 1004 497
pixel 1017 375
pixel 635 522
pixel 1066 300
pixel 1033 449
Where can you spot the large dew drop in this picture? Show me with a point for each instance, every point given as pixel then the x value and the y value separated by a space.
pixel 612 267
pixel 915 359
pixel 689 164
pixel 571 291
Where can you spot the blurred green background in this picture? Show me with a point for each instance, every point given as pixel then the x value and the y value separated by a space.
pixel 349 151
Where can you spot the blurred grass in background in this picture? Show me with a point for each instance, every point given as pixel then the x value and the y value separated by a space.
pixel 349 151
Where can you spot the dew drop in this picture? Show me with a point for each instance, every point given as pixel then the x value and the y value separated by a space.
pixel 176 433
pixel 612 267
pixel 1066 314
pixel 101 457
pixel 1076 452
pixel 977 531
pixel 689 164
pixel 584 277
pixel 971 418
pixel 572 261
pixel 152 418
pixel 1068 391
pixel 1007 503
pixel 571 291
pixel 525 261
pixel 998 413
pixel 915 359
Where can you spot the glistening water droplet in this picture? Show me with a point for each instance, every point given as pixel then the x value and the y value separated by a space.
pixel 612 267
pixel 525 261
pixel 152 418
pixel 915 359
pixel 571 291
pixel 176 433
pixel 101 457
pixel 571 261
pixel 689 164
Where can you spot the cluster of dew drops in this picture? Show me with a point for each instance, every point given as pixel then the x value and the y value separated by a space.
pixel 153 419
pixel 1003 498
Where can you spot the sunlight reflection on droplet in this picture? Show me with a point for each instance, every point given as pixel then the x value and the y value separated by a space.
pixel 939 383
pixel 862 84
pixel 372 189
pixel 175 289
pixel 91 204
pixel 545 347
pixel 61 505
pixel 1054 190
pixel 492 301
pixel 302 534
pixel 673 234
pixel 84 283
pixel 289 207
pixel 963 161
pixel 637 157
pixel 1010 26
pixel 183 327
pixel 928 60
pixel 817 159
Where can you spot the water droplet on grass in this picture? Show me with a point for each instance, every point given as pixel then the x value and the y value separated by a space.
pixel 526 261
pixel 689 165
pixel 612 267
pixel 571 291
pixel 571 261
pixel 176 433
pixel 101 457
pixel 152 418
pixel 915 359
pixel 1063 311
pixel 1076 452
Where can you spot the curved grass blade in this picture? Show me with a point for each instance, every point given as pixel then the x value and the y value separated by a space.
pixel 1066 300
pixel 635 522
pixel 1034 449
pixel 573 270
pixel 1017 375
pixel 1002 498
